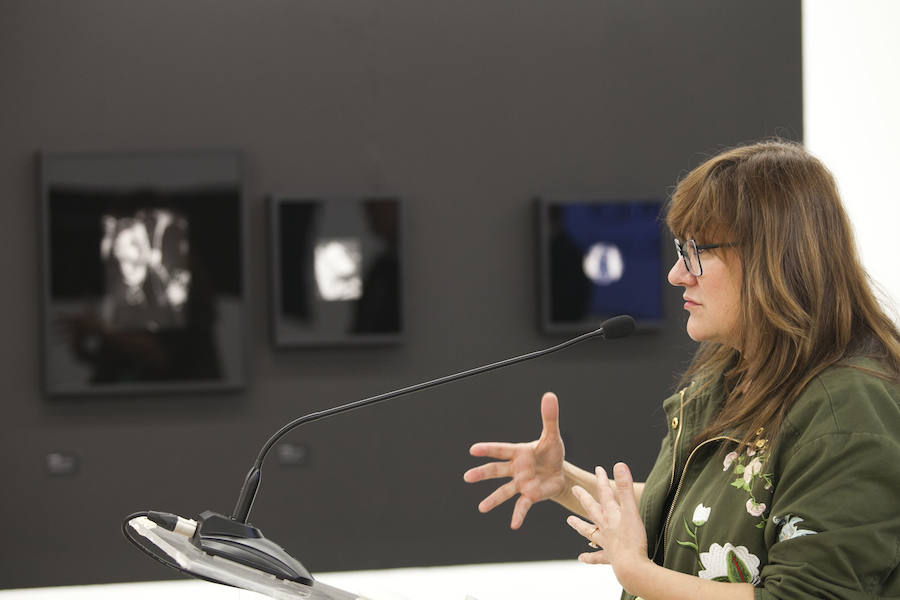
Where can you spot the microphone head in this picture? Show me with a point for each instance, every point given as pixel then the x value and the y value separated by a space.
pixel 617 327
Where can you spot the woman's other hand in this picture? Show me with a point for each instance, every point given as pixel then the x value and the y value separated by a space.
pixel 616 528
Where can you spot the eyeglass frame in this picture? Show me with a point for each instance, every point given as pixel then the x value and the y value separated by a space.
pixel 680 250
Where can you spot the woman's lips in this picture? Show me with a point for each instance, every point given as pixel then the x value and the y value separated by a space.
pixel 690 303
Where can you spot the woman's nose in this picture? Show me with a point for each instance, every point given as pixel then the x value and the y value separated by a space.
pixel 679 275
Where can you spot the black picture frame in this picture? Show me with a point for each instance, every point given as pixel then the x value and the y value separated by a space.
pixel 599 258
pixel 144 271
pixel 336 270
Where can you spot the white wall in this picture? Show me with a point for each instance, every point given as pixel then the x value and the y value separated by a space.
pixel 851 112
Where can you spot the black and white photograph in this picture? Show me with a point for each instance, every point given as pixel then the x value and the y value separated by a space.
pixel 143 281
pixel 336 270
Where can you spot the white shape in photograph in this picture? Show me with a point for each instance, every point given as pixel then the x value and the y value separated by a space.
pixel 338 266
pixel 147 276
pixel 603 263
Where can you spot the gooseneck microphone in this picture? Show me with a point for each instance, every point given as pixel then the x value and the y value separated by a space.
pixel 615 327
pixel 250 560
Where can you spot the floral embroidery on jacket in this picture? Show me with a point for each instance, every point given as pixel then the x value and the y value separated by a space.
pixel 729 563
pixel 699 519
pixel 701 514
pixel 788 527
pixel 720 563
pixel 748 467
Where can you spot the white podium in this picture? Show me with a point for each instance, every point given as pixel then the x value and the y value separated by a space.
pixel 560 580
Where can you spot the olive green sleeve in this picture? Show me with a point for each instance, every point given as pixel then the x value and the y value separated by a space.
pixel 834 524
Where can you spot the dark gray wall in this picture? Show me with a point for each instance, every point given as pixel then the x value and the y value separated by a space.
pixel 465 109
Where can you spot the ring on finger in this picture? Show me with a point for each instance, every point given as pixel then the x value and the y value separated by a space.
pixel 591 542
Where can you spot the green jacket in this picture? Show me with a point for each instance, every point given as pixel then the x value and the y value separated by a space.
pixel 816 515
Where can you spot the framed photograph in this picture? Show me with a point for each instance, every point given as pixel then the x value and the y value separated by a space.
pixel 337 270
pixel 598 259
pixel 143 259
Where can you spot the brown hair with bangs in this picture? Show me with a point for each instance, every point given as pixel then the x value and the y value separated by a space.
pixel 806 302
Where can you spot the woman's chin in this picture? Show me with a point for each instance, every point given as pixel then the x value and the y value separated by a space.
pixel 696 333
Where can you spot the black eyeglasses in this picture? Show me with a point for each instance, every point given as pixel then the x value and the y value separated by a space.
pixel 689 252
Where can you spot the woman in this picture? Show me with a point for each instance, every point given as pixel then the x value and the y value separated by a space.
pixel 780 474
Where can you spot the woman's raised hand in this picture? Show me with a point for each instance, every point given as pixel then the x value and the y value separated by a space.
pixel 535 468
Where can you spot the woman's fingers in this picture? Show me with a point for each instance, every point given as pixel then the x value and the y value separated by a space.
pixel 615 524
pixel 594 558
pixel 523 504
pixel 590 505
pixel 534 468
pixel 593 534
pixel 498 496
pixel 585 528
pixel 550 414
pixel 500 450
pixel 625 490
pixel 605 494
pixel 493 470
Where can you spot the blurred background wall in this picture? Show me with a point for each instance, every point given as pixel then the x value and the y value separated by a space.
pixel 466 110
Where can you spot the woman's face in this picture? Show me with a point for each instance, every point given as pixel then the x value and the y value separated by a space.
pixel 713 298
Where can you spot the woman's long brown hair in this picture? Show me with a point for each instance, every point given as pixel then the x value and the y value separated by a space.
pixel 806 302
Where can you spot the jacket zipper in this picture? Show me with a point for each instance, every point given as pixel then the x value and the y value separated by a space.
pixel 665 536
pixel 677 437
pixel 674 458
